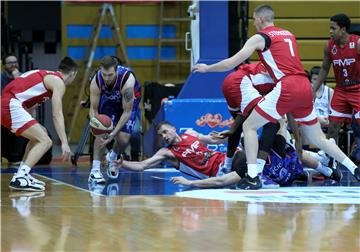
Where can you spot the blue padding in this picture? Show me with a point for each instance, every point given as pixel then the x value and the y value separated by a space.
pixel 214 37
pixel 77 52
pixel 149 31
pixel 203 85
pixel 84 31
pixel 150 52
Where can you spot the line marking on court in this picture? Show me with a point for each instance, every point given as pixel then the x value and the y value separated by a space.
pixel 315 195
pixel 59 182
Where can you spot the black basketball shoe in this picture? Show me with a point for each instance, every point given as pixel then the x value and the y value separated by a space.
pixel 248 183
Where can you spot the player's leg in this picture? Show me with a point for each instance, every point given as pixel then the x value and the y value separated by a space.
pixel 39 144
pixel 250 127
pixel 265 111
pixel 317 137
pixel 95 175
pixel 334 128
pixel 310 161
pixel 341 110
pixel 121 142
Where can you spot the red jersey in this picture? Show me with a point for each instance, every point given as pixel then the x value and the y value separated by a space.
pixel 280 56
pixel 345 61
pixel 196 155
pixel 260 78
pixel 29 88
pixel 243 88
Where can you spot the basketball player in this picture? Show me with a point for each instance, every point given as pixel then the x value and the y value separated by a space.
pixel 28 90
pixel 115 92
pixel 292 94
pixel 189 154
pixel 343 52
pixel 282 166
pixel 243 89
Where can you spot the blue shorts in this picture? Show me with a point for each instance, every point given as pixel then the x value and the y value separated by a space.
pixel 115 114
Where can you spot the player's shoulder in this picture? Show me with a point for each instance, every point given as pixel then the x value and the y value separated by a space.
pixel 191 132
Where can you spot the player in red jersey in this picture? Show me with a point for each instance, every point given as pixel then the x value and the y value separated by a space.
pixel 243 89
pixel 343 52
pixel 31 89
pixel 292 94
pixel 188 148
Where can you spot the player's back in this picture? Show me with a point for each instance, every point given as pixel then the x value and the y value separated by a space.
pixel 280 56
pixel 29 88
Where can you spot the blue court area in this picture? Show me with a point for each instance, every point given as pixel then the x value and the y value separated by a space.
pixel 149 182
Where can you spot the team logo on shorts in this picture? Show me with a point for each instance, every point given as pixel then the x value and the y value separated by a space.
pixel 334 50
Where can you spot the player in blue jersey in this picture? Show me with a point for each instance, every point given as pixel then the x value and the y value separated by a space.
pixel 115 92
pixel 282 166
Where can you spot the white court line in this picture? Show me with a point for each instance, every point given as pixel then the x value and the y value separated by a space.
pixel 67 184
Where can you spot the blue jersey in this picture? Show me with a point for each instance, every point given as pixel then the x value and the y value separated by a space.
pixel 111 98
pixel 283 170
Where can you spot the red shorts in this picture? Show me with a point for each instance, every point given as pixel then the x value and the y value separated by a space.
pixel 292 94
pixel 240 94
pixel 14 116
pixel 345 102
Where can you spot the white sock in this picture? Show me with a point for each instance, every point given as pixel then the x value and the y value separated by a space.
pixel 113 155
pixel 252 170
pixel 260 165
pixel 21 163
pixel 96 165
pixel 228 163
pixel 324 170
pixel 24 169
pixel 349 164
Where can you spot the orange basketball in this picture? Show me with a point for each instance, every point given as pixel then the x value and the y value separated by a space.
pixel 101 124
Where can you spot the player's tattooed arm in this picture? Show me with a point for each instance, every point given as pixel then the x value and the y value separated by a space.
pixel 128 94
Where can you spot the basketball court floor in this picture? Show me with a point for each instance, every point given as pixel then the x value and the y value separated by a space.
pixel 146 212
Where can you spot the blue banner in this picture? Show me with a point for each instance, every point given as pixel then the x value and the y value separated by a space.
pixel 201 115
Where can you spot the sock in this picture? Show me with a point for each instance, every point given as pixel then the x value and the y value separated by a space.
pixel 113 155
pixel 252 170
pixel 96 165
pixel 349 164
pixel 260 165
pixel 21 163
pixel 24 169
pixel 324 170
pixel 228 163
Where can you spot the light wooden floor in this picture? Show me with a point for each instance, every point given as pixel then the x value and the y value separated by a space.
pixel 65 218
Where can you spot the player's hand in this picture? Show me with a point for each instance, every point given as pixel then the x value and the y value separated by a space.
pixel 119 161
pixel 106 139
pixel 201 68
pixel 180 180
pixel 66 152
pixel 221 134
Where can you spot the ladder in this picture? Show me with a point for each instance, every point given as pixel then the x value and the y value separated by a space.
pixel 162 41
pixel 74 104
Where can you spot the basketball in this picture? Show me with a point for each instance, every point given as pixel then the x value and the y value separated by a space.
pixel 101 124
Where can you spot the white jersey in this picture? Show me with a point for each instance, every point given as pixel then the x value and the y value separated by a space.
pixel 322 103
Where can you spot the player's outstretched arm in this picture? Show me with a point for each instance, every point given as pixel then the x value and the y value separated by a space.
pixel 225 180
pixel 162 155
pixel 256 42
pixel 206 139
